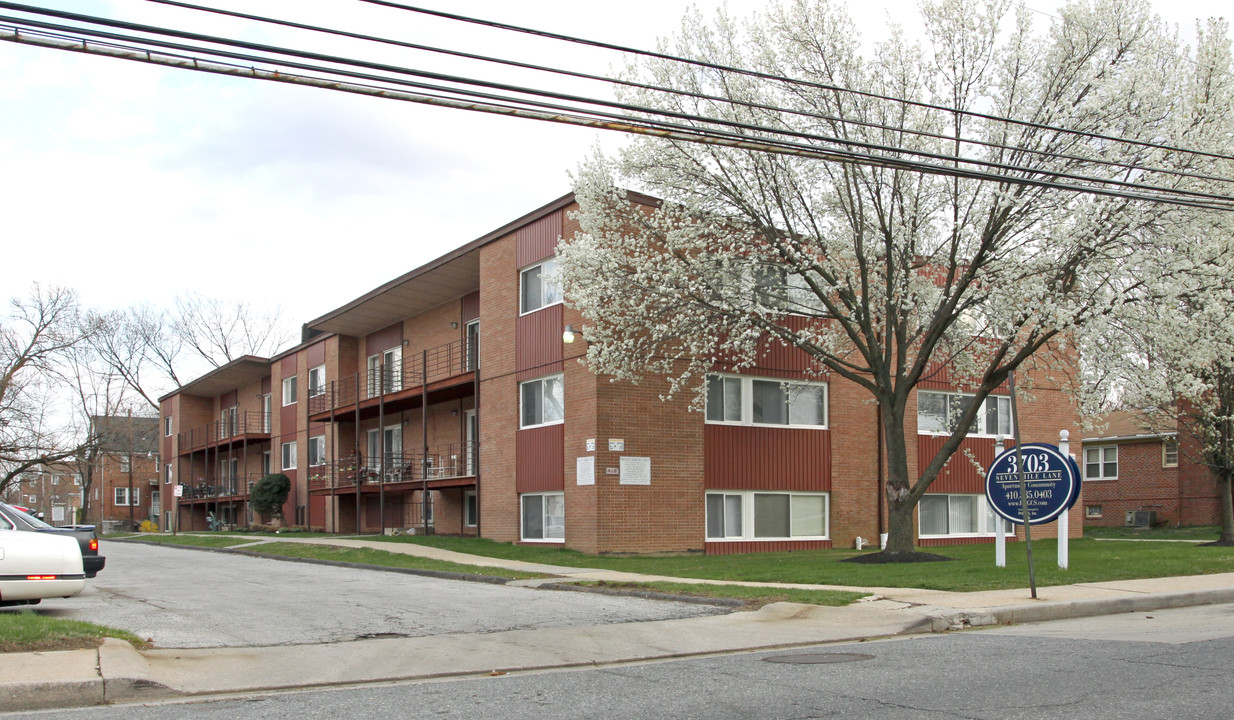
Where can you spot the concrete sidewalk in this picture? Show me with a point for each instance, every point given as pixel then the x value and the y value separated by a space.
pixel 118 673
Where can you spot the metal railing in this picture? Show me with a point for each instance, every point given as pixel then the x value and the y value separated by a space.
pixel 250 423
pixel 222 487
pixel 443 462
pixel 444 361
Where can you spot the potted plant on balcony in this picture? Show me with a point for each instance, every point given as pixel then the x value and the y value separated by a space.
pixel 268 496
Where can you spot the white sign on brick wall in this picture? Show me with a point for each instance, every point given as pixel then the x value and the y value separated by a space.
pixel 635 470
pixel 585 470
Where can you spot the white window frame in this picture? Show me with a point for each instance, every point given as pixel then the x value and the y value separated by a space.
pixel 289 391
pixel 986 518
pixel 979 419
pixel 746 498
pixel 317 450
pixel 167 426
pixel 389 362
pixel 522 525
pixel 288 455
pixel 317 381
pixel 169 472
pixel 746 385
pixel 1092 511
pixel 470 518
pixel 544 384
pixel 126 463
pixel 788 292
pixel 123 490
pixel 1166 453
pixel 550 293
pixel 1102 452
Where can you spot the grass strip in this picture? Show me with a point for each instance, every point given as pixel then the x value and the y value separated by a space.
pixel 1207 533
pixel 27 631
pixel 752 598
pixel 385 558
pixel 212 541
pixel 972 566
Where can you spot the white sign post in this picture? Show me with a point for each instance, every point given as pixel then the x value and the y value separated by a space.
pixel 1063 523
pixel 1000 525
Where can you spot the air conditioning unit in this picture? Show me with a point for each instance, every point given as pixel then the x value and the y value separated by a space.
pixel 1142 518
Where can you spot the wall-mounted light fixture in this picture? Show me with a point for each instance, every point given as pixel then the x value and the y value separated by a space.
pixel 454 325
pixel 569 334
pixel 406 341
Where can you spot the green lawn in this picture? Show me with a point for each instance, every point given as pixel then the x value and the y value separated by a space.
pixel 972 567
pixel 1208 533
pixel 214 541
pixel 23 630
pixel 754 597
pixel 382 558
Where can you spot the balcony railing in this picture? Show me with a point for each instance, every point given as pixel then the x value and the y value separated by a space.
pixel 246 423
pixel 445 461
pixel 445 361
pixel 224 487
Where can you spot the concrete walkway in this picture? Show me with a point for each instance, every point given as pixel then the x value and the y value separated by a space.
pixel 117 673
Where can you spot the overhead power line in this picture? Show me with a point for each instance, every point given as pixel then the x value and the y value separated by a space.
pixel 525 102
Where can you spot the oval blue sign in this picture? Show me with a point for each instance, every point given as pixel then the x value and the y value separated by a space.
pixel 1051 481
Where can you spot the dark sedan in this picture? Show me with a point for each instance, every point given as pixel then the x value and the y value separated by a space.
pixel 92 562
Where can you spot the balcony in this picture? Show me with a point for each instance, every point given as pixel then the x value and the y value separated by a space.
pixel 224 489
pixel 241 426
pixel 452 363
pixel 445 465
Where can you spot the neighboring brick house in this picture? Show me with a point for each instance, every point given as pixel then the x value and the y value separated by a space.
pixel 53 491
pixel 392 414
pixel 1135 466
pixel 124 479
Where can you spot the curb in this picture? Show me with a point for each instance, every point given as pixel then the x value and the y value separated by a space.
pixel 1064 610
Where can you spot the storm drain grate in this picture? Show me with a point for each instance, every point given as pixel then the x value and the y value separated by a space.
pixel 818 658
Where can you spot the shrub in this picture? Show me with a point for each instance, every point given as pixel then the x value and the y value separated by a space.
pixel 148 526
pixel 269 494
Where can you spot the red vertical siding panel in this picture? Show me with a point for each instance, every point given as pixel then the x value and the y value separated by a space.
pixel 228 399
pixel 537 343
pixel 471 306
pixel 540 459
pixel 766 458
pixel 538 240
pixel 316 354
pixel 959 475
pixel 383 339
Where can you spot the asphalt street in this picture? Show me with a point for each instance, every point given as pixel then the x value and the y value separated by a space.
pixel 1136 665
pixel 193 599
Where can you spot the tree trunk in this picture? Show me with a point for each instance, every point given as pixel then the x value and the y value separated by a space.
pixel 1227 507
pixel 899 507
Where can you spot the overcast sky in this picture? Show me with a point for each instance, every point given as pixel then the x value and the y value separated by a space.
pixel 134 183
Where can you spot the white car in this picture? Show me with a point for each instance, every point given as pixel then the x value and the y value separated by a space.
pixel 34 566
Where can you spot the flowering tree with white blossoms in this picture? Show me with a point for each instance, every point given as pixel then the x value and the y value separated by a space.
pixel 1180 380
pixel 890 272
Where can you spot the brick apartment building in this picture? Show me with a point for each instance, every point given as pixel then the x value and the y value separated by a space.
pixel 393 414
pixel 125 478
pixel 1135 473
pixel 53 491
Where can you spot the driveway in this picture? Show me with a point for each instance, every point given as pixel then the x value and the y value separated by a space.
pixel 182 598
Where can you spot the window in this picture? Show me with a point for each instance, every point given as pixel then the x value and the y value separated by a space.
pixel 317 450
pixel 1169 453
pixel 385 371
pixel 167 473
pixel 126 463
pixel 166 427
pixel 289 455
pixel 289 391
pixel 778 289
pixel 265 413
pixel 1092 511
pixel 317 381
pixel 771 516
pixel 122 496
pixel 746 400
pixel 544 517
pixel 538 287
pixel 959 514
pixel 471 510
pixel 1101 463
pixel 939 413
pixel 542 401
pixel 55 479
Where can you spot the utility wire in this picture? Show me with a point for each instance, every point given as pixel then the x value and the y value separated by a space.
pixel 683 93
pixel 779 78
pixel 528 109
pixel 226 42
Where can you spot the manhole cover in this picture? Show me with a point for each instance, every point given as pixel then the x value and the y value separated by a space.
pixel 818 658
